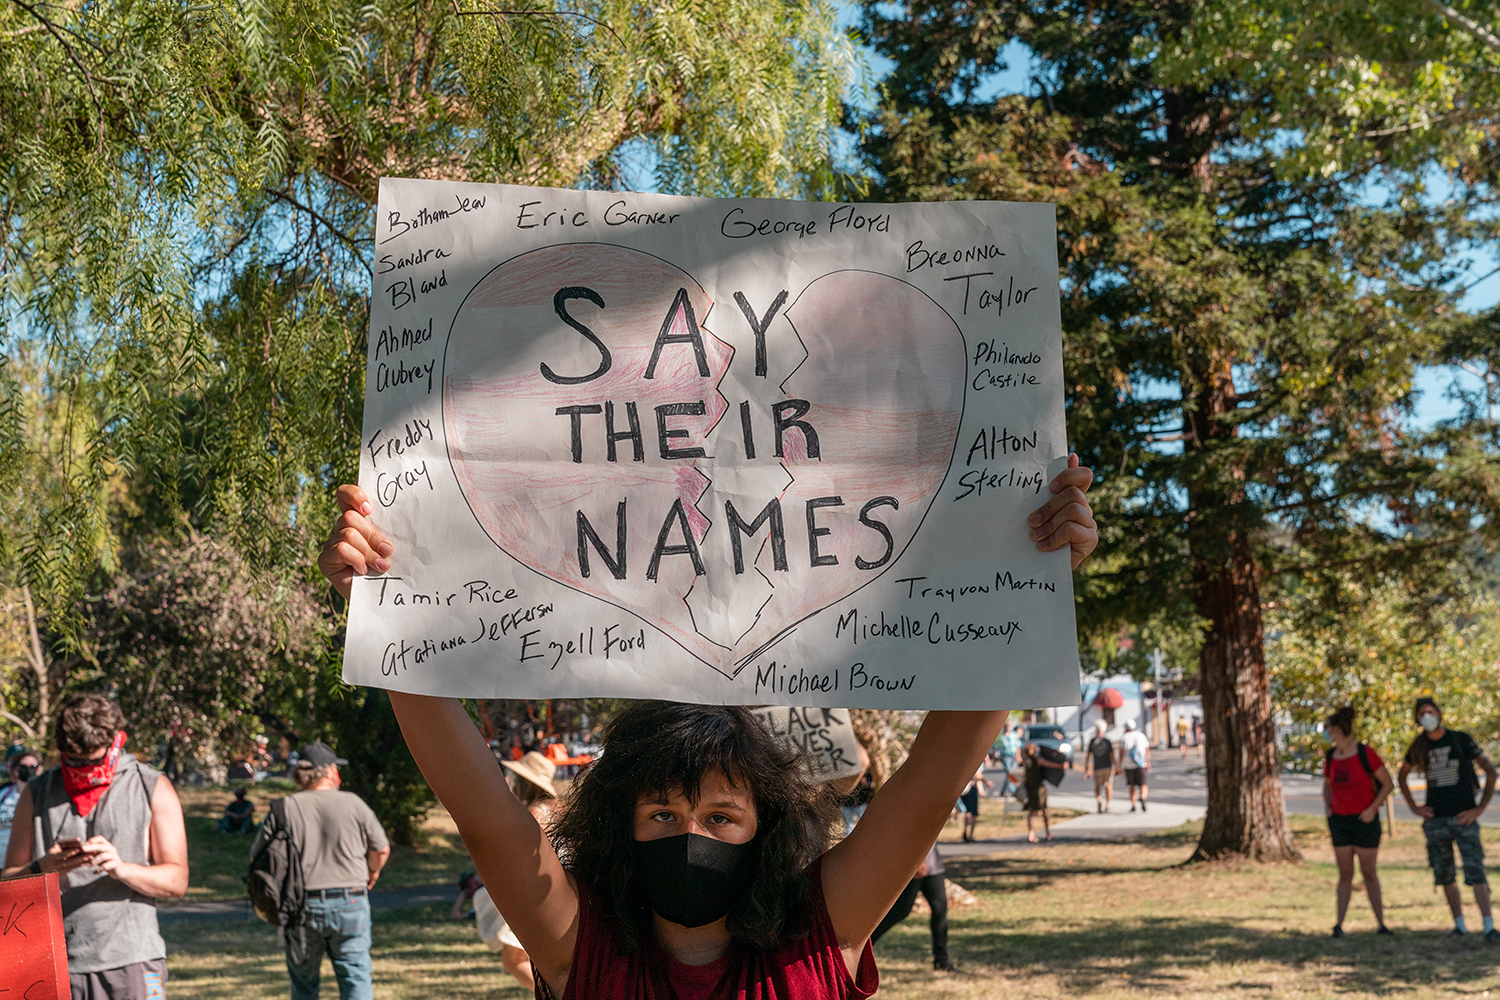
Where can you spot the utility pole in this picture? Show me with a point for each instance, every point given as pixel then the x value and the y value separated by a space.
pixel 1156 662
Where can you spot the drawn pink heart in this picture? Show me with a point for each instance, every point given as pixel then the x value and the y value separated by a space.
pixel 884 373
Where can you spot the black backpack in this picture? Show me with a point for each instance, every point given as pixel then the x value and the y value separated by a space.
pixel 277 891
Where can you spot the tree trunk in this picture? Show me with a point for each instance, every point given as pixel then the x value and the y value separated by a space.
pixel 1246 815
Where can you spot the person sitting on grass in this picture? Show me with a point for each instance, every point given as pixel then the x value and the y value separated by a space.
pixel 239 815
pixel 1355 784
pixel 693 859
pixel 1033 779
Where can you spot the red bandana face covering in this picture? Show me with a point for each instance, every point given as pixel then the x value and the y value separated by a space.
pixel 87 785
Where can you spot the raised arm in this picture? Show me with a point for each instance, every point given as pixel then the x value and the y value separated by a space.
pixel 514 858
pixel 864 873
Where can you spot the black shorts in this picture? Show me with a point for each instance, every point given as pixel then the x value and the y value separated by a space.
pixel 971 800
pixel 1349 831
pixel 1135 777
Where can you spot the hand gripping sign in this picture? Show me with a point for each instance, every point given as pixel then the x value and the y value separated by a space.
pixel 723 451
pixel 33 953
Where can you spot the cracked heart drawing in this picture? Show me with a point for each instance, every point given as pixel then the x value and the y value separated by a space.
pixel 606 438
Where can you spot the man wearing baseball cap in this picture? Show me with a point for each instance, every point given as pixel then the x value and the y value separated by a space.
pixel 343 848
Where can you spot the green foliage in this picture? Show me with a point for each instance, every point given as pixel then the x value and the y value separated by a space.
pixel 1365 645
pixel 1241 338
pixel 1400 83
pixel 186 222
pixel 186 197
pixel 1241 332
pixel 197 647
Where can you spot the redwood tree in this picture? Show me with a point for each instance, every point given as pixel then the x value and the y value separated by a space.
pixel 1241 336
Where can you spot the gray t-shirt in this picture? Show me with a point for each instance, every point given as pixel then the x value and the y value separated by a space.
pixel 336 831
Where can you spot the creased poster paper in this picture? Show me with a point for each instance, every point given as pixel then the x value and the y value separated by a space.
pixel 727 451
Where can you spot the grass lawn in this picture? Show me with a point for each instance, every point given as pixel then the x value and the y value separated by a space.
pixel 993 823
pixel 1106 920
pixel 217 862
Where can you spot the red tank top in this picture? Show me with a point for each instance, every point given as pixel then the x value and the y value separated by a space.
pixel 808 968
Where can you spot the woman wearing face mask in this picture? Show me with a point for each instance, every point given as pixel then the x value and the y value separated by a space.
pixel 23 767
pixel 691 862
pixel 1355 785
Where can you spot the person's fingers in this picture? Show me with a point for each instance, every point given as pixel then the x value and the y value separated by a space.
pixel 1082 538
pixel 1075 475
pixel 348 547
pixel 1076 512
pixel 353 498
pixel 1067 496
pixel 373 536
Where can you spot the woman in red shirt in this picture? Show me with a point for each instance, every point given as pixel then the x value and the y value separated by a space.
pixel 1355 786
pixel 691 864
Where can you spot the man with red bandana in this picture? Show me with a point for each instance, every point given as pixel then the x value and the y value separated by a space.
pixel 112 828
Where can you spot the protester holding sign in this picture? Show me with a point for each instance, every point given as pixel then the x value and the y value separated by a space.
pixel 113 828
pixel 695 848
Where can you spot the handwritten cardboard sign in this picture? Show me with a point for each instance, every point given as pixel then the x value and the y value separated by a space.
pixel 33 953
pixel 826 733
pixel 727 451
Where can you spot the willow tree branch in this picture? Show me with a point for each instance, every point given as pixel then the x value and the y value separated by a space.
pixel 88 77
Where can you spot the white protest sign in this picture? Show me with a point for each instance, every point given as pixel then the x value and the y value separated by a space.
pixel 826 733
pixel 718 451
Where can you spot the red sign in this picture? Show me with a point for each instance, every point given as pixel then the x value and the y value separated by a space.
pixel 33 954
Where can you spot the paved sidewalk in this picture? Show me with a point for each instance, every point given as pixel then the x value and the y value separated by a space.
pixel 236 910
pixel 1118 824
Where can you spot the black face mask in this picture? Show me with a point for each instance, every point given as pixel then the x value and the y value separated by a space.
pixel 690 879
pixel 25 772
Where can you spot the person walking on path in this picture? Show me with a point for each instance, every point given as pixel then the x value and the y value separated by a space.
pixel 112 828
pixel 1449 816
pixel 1034 781
pixel 930 882
pixel 1099 764
pixel 1135 760
pixel 342 847
pixel 970 802
pixel 1355 786
pixel 1182 734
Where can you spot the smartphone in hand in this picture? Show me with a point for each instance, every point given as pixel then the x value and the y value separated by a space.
pixel 70 845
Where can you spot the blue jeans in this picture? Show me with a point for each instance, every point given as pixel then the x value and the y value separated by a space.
pixel 340 926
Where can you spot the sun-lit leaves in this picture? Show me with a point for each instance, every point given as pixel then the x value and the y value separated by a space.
pixel 1362 644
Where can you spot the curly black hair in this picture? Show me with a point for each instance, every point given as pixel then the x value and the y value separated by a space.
pixel 655 748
